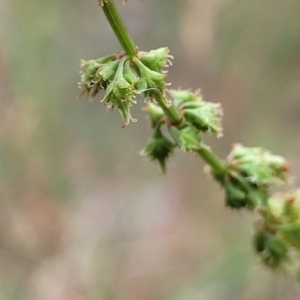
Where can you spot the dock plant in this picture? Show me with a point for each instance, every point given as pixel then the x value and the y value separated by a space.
pixel 179 119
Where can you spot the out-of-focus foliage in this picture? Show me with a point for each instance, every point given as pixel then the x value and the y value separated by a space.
pixel 82 215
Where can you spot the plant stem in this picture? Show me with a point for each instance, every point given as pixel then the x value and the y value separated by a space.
pixel 113 16
pixel 171 112
pixel 216 164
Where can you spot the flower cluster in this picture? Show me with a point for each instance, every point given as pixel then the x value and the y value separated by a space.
pixel 203 115
pixel 158 148
pixel 277 236
pixel 123 78
pixel 251 173
pixel 248 176
pixel 197 116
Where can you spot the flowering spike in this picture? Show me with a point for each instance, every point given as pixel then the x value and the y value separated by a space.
pixel 249 174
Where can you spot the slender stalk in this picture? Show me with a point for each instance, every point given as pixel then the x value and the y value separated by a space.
pixel 216 164
pixel 171 112
pixel 113 16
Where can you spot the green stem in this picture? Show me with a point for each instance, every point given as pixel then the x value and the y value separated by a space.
pixel 171 112
pixel 216 164
pixel 112 14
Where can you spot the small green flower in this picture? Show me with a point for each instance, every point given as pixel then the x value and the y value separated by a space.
pixel 291 207
pixel 291 233
pixel 120 94
pixel 151 83
pixel 235 196
pixel 155 60
pixel 108 70
pixel 187 138
pixel 130 74
pixel 158 148
pixel 277 237
pixel 271 248
pixel 183 96
pixel 97 74
pixel 241 194
pixel 205 116
pixel 283 213
pixel 258 166
pixel 251 174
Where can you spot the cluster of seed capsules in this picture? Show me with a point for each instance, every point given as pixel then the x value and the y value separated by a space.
pixel 249 176
pixel 122 78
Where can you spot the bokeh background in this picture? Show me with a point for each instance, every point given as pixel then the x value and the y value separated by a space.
pixel 82 216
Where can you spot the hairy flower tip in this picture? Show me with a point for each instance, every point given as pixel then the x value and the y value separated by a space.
pixel 156 114
pixel 121 94
pixel 158 148
pixel 156 60
pixel 271 247
pixel 97 74
pixel 187 138
pixel 205 116
pixel 258 166
pixel 151 82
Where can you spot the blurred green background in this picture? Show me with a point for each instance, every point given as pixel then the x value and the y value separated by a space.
pixel 82 216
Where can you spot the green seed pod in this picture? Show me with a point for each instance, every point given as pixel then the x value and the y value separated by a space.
pixel 97 74
pixel 258 166
pixel 291 206
pixel 158 148
pixel 107 71
pixel 187 138
pixel 291 232
pixel 185 97
pixel 130 74
pixel 120 94
pixel 205 117
pixel 236 197
pixel 155 60
pixel 259 241
pixel 151 83
pixel 91 67
pixel 275 253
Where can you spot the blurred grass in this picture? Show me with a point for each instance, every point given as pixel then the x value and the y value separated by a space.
pixel 82 215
